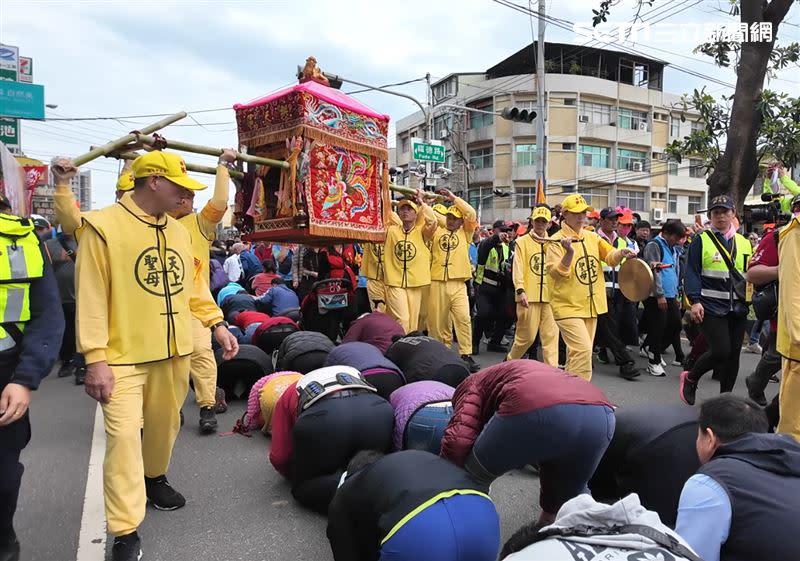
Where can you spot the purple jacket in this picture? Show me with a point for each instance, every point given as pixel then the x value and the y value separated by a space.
pixel 376 329
pixel 362 357
pixel 410 398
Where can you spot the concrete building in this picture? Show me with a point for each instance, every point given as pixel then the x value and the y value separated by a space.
pixel 82 187
pixel 607 125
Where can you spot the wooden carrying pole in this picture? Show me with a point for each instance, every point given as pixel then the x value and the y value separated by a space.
pixel 115 145
pixel 198 149
pixel 189 166
pixel 412 192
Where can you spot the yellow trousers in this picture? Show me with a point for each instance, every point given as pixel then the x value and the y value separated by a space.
pixel 448 306
pixel 422 322
pixel 403 304
pixel 203 366
pixel 537 318
pixel 790 398
pixel 376 291
pixel 154 391
pixel 578 334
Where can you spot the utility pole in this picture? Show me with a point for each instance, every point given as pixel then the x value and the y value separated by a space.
pixel 540 102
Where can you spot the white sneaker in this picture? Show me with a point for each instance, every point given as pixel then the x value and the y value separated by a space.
pixel 755 349
pixel 648 355
pixel 656 370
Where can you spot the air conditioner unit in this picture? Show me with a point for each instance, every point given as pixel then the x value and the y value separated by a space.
pixel 636 166
pixel 658 214
pixel 642 126
pixel 584 118
pixel 444 134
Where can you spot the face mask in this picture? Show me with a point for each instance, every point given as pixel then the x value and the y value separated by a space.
pixel 624 231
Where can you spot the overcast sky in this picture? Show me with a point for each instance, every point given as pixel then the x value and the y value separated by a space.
pixel 121 58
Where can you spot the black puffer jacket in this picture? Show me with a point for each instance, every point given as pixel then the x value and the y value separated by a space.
pixel 296 348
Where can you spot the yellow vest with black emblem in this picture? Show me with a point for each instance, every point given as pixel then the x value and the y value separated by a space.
pixel 714 274
pixel 151 269
pixel 582 294
pixel 372 261
pixel 450 255
pixel 407 259
pixel 200 244
pixel 531 255
pixel 21 262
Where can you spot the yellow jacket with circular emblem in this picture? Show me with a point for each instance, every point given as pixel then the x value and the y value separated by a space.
pixel 450 250
pixel 528 269
pixel 407 259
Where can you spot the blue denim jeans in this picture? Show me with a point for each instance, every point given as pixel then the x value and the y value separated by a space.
pixel 425 428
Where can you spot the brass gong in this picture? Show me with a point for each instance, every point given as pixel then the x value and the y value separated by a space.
pixel 635 280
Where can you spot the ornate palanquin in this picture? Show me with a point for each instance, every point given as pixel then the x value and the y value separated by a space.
pixel 336 187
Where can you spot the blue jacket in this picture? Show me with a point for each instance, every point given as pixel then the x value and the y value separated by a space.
pixel 278 299
pixel 250 264
pixel 30 361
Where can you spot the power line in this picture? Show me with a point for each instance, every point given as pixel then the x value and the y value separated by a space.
pixel 139 116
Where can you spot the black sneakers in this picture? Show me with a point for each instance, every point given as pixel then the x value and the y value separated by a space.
pixel 496 348
pixel 221 405
pixel 80 375
pixel 161 494
pixel 688 389
pixel 629 371
pixel 471 364
pixel 67 369
pixel 208 420
pixel 127 548
pixel 755 394
pixel 10 551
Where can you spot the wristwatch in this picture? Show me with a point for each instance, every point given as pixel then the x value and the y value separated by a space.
pixel 229 165
pixel 520 291
pixel 223 323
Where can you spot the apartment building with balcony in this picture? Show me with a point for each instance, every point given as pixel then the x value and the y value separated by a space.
pixel 607 125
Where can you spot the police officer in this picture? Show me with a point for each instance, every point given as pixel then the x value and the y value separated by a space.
pixel 532 288
pixel 491 317
pixel 30 335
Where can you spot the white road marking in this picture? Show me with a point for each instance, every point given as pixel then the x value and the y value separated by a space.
pixel 92 540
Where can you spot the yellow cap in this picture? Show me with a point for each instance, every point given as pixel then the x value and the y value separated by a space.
pixel 455 211
pixel 440 208
pixel 125 182
pixel 408 202
pixel 541 212
pixel 166 165
pixel 575 203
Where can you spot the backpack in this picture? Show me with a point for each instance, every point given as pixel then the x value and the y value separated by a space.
pixel 218 278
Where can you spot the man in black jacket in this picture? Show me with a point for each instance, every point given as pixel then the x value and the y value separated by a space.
pixel 424 358
pixel 742 504
pixel 29 346
pixel 409 506
pixel 492 316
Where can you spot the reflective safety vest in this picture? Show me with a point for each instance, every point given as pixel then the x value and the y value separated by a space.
pixel 715 275
pixel 329 380
pixel 611 273
pixel 21 262
pixel 491 273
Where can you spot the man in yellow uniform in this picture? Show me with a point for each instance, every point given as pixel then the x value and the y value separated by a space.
pixel 532 288
pixel 372 269
pixel 407 264
pixel 138 286
pixel 202 227
pixel 788 338
pixel 451 268
pixel 578 294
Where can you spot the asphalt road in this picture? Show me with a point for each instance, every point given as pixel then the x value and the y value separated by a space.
pixel 238 507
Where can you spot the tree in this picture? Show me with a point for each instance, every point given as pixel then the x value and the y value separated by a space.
pixel 752 122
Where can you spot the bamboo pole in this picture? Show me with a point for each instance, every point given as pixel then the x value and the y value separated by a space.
pixel 114 145
pixel 412 192
pixel 191 167
pixel 198 149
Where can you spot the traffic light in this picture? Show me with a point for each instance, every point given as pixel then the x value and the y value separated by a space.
pixel 518 115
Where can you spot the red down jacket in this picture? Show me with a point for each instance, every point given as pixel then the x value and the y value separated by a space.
pixel 510 388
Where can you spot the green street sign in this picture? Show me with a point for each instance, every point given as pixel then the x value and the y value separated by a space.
pixel 9 132
pixel 428 152
pixel 18 99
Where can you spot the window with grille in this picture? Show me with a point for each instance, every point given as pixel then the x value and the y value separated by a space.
pixel 524 197
pixel 597 113
pixel 441 125
pixel 525 154
pixel 595 156
pixel 672 204
pixel 673 168
pixel 481 158
pixel 480 120
pixel 632 119
pixel 695 204
pixel 445 90
pixel 631 199
pixel 696 169
pixel 675 127
pixel 633 160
